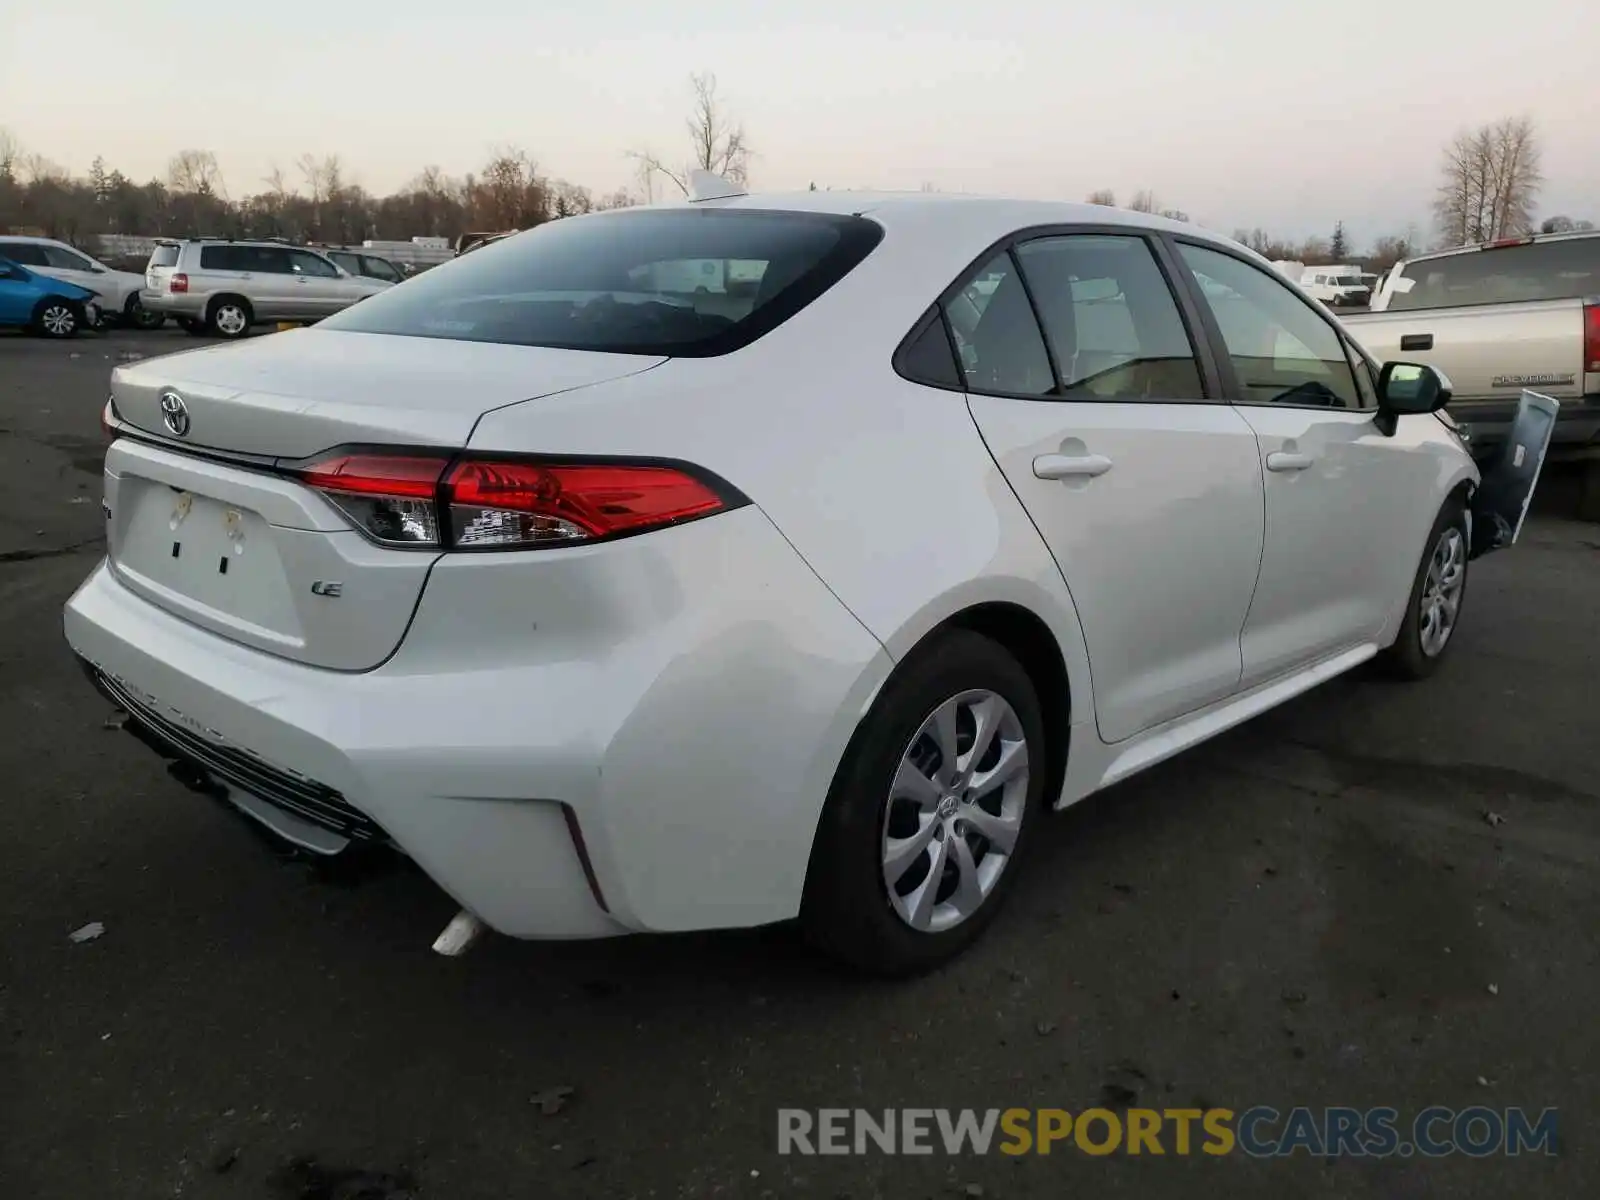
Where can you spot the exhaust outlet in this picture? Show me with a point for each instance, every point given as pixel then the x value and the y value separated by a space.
pixel 460 935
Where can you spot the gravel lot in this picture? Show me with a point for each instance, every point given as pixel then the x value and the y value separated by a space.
pixel 1310 910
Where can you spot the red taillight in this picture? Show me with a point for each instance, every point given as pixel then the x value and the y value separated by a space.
pixel 393 498
pixel 1591 336
pixel 540 504
pixel 180 283
pixel 481 504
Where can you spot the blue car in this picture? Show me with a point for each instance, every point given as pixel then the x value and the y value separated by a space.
pixel 51 307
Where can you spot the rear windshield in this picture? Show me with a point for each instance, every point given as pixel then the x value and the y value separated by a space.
pixel 164 256
pixel 686 282
pixel 1559 270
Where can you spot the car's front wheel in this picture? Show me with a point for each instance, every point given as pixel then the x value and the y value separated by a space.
pixel 57 318
pixel 1433 609
pixel 933 805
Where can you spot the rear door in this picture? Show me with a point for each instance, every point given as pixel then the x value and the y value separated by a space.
pixel 1342 499
pixel 232 270
pixel 1145 484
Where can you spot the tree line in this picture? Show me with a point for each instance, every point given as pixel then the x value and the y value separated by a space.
pixel 316 200
pixel 1489 186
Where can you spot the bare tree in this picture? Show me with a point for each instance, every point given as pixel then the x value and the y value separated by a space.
pixel 277 183
pixel 1144 201
pixel 195 172
pixel 324 176
pixel 10 151
pixel 717 141
pixel 36 169
pixel 1103 196
pixel 1490 185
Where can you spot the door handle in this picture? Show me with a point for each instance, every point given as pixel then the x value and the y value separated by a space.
pixel 246 275
pixel 1070 466
pixel 1416 341
pixel 1284 460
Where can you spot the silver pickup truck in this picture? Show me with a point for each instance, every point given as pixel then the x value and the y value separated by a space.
pixel 1497 318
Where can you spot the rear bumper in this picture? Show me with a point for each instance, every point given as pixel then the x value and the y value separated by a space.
pixel 688 756
pixel 184 304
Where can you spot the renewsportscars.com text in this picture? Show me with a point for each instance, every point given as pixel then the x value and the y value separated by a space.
pixel 1258 1132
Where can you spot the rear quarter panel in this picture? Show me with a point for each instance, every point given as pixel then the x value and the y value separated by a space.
pixel 883 486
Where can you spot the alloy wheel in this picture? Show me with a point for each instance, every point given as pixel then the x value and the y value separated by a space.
pixel 59 321
pixel 1441 591
pixel 231 319
pixel 955 810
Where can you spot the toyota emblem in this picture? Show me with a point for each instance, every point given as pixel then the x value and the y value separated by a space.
pixel 175 414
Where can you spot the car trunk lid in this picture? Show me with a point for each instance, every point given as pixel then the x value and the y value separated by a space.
pixel 215 527
pixel 299 393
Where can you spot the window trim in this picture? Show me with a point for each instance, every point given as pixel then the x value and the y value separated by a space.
pixel 1234 392
pixel 1212 381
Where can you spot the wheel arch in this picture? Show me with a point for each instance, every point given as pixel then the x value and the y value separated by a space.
pixel 1026 637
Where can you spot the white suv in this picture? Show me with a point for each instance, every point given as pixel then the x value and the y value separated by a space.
pixel 221 287
pixel 118 290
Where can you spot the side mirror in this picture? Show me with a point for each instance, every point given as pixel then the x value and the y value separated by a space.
pixel 1405 389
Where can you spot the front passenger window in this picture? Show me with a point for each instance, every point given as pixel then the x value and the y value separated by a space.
pixel 1283 352
pixel 996 334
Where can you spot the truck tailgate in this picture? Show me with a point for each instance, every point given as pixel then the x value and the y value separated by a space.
pixel 1490 353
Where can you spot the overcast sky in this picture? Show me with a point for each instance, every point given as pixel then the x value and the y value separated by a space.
pixel 1286 115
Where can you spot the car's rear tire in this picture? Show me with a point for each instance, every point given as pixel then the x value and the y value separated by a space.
pixel 910 798
pixel 229 317
pixel 55 317
pixel 135 314
pixel 1433 609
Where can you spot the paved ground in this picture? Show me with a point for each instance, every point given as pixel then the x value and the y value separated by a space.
pixel 1309 911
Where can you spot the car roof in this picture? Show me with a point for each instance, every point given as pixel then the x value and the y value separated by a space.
pixel 979 216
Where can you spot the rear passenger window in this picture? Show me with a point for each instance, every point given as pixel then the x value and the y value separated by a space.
pixel 996 334
pixel 928 357
pixel 1556 270
pixel 26 253
pixel 220 258
pixel 1111 320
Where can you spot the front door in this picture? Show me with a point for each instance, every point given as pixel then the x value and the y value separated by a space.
pixel 1342 498
pixel 1146 488
pixel 318 287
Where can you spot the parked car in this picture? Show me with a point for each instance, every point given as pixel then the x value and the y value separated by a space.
pixel 619 614
pixel 117 292
pixel 1497 318
pixel 1337 287
pixel 368 266
pixel 223 287
pixel 41 303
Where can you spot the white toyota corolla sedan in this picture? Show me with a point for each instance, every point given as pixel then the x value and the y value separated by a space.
pixel 715 564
